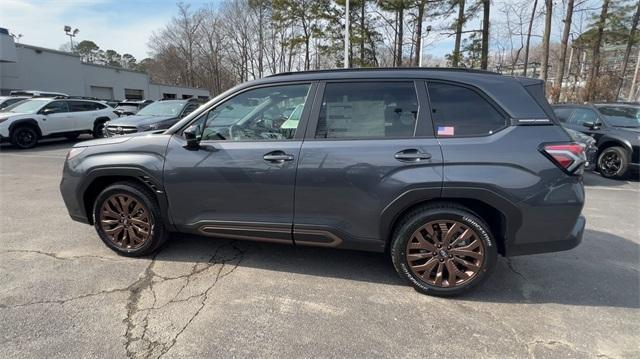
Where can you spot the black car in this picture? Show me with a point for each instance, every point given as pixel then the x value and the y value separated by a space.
pixel 159 115
pixel 616 129
pixel 130 107
pixel 443 169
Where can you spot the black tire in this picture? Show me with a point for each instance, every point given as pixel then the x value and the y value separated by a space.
pixel 158 234
pixel 613 162
pixel 449 213
pixel 72 136
pixel 24 137
pixel 99 128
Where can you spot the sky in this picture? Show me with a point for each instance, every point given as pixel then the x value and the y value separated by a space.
pixel 125 26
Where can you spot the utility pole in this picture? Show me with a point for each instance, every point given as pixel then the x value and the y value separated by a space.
pixel 422 45
pixel 346 36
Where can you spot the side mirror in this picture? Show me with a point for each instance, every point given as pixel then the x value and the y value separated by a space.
pixel 192 135
pixel 591 125
pixel 48 111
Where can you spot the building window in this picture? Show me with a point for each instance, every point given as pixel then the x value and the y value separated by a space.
pixel 132 94
pixel 184 97
pixel 169 96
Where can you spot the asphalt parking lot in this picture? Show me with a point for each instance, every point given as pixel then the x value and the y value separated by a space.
pixel 64 294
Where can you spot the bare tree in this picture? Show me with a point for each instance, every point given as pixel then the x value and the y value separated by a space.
pixel 590 91
pixel 544 64
pixel 627 52
pixel 486 5
pixel 526 49
pixel 555 94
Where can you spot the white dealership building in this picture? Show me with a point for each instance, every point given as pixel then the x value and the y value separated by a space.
pixel 26 67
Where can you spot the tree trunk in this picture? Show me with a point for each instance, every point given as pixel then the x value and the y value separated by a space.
pixel 400 35
pixel 455 59
pixel 526 49
pixel 590 92
pixel 362 32
pixel 627 52
pixel 563 53
pixel 419 20
pixel 484 56
pixel 544 64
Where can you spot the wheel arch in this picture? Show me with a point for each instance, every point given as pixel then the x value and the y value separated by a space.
pixel 608 142
pixel 30 122
pixel 100 179
pixel 487 205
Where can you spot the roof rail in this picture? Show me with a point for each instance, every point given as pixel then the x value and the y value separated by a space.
pixel 365 69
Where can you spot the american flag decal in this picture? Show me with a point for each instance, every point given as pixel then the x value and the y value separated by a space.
pixel 445 130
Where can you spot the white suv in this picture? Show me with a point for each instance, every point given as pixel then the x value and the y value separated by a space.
pixel 26 122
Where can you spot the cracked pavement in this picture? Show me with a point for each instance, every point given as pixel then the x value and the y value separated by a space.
pixel 64 294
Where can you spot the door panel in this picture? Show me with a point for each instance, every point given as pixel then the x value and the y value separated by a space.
pixel 240 182
pixel 60 121
pixel 359 156
pixel 227 187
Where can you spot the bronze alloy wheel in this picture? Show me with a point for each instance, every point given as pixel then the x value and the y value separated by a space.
pixel 125 221
pixel 445 253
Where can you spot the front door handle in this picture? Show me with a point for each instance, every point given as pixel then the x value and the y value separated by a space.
pixel 277 156
pixel 411 155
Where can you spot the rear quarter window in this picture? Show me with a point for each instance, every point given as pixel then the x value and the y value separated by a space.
pixel 459 111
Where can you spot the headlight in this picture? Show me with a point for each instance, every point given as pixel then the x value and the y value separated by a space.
pixel 3 119
pixel 74 152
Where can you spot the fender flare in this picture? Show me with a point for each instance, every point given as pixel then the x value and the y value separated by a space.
pixel 139 174
pixel 608 140
pixel 25 121
pixel 411 197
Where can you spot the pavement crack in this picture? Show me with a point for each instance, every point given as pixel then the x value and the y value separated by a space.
pixel 510 265
pixel 66 300
pixel 138 343
pixel 59 257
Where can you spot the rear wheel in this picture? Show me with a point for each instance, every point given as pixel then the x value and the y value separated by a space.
pixel 443 250
pixel 128 219
pixel 24 137
pixel 613 162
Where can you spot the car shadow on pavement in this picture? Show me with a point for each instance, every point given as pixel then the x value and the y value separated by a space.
pixel 595 179
pixel 602 271
pixel 45 145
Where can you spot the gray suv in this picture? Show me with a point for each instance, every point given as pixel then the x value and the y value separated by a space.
pixel 442 169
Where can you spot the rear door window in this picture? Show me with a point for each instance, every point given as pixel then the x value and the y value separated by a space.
pixel 563 113
pixel 459 111
pixel 367 110
pixel 583 115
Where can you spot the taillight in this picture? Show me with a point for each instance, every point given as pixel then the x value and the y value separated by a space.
pixel 568 156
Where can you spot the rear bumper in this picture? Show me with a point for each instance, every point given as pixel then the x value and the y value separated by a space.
pixel 571 241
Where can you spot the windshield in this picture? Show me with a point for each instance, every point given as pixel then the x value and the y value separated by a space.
pixel 162 109
pixel 621 116
pixel 27 106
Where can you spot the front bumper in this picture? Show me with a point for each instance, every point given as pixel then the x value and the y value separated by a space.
pixel 69 186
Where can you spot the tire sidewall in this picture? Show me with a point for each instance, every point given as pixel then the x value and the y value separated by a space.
pixel 622 154
pixel 403 235
pixel 156 229
pixel 98 129
pixel 16 132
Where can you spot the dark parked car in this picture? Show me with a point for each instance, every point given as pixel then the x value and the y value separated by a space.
pixel 590 148
pixel 616 129
pixel 442 169
pixel 159 115
pixel 131 107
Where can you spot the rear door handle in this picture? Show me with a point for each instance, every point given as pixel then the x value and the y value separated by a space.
pixel 277 156
pixel 411 155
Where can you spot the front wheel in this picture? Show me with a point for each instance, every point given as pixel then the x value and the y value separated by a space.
pixel 443 250
pixel 99 129
pixel 128 219
pixel 613 162
pixel 24 137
